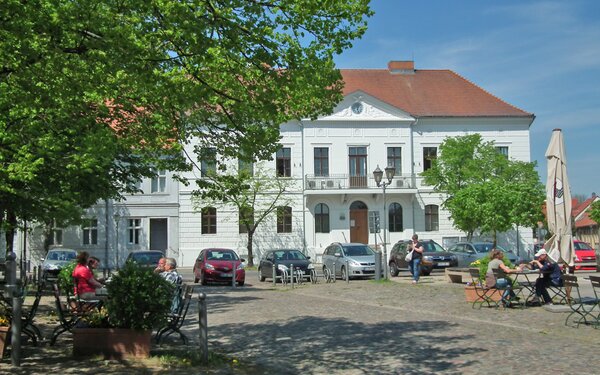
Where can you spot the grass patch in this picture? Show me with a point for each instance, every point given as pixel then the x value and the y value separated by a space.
pixel 382 281
pixel 188 358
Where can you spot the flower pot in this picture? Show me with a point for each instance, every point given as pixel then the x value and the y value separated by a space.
pixel 4 338
pixel 471 294
pixel 114 343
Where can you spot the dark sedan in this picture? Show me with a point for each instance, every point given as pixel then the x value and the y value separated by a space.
pixel 283 259
pixel 434 256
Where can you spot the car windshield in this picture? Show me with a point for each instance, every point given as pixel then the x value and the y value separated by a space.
pixel 483 247
pixel 582 246
pixel 146 258
pixel 432 247
pixel 353 251
pixel 504 250
pixel 61 255
pixel 221 255
pixel 289 255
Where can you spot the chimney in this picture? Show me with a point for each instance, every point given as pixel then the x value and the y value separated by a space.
pixel 401 67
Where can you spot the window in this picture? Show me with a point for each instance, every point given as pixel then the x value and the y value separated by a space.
pixel 395 218
pixel 56 235
pixel 134 227
pixel 284 162
pixel 245 167
pixel 284 219
pixel 322 218
pixel 394 159
pixel 432 218
pixel 159 182
pixel 90 232
pixel 208 161
pixel 429 155
pixel 321 161
pixel 503 150
pixel 357 158
pixel 209 220
pixel 245 214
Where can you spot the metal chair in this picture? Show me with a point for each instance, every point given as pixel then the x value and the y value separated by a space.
pixel 580 311
pixel 508 301
pixel 66 319
pixel 595 310
pixel 484 294
pixel 176 320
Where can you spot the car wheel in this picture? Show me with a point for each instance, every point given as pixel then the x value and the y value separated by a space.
pixel 203 280
pixel 240 283
pixel 260 276
pixel 196 280
pixel 394 269
pixel 425 272
pixel 343 273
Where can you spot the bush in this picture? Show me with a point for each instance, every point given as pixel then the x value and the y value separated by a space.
pixel 138 298
pixel 65 278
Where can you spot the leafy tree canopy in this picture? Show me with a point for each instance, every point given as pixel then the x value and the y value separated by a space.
pixel 95 94
pixel 595 212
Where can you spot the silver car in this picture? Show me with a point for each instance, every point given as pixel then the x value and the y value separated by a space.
pixel 468 252
pixel 355 258
pixel 56 259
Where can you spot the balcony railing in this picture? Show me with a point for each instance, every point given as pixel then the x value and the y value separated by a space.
pixel 344 181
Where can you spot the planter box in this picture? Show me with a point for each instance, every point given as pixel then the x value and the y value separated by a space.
pixel 4 339
pixel 114 343
pixel 471 294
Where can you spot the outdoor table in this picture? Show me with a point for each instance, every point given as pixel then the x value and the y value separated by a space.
pixel 528 285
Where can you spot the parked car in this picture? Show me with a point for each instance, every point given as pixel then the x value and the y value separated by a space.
pixel 585 256
pixel 219 265
pixel 283 259
pixel 434 256
pixel 359 258
pixel 468 252
pixel 56 259
pixel 146 258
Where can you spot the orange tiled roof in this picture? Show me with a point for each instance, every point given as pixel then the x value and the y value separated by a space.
pixel 583 206
pixel 585 221
pixel 428 93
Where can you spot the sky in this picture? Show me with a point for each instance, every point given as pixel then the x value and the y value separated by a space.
pixel 540 56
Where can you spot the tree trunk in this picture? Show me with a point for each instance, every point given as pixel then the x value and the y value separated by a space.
pixel 250 256
pixel 11 224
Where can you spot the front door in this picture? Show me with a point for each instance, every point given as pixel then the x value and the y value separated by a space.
pixel 158 235
pixel 359 222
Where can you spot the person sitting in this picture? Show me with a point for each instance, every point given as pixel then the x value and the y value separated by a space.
pixel 496 262
pixel 550 275
pixel 86 283
pixel 170 274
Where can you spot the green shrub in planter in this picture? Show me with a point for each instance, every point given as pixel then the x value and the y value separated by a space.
pixel 138 298
pixel 65 278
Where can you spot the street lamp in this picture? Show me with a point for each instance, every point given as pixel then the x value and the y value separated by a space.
pixel 389 175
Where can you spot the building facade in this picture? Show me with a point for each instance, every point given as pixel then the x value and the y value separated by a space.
pixel 389 117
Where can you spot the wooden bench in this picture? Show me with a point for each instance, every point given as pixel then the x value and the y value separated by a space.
pixel 457 275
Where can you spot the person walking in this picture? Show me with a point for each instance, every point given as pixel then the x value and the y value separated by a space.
pixel 417 257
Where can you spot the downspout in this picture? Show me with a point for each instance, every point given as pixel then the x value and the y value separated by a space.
pixel 303 190
pixel 412 169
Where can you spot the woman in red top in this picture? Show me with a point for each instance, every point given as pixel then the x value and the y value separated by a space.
pixel 86 284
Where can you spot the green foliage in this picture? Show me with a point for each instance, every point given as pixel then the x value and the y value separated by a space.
pixel 485 191
pixel 65 278
pixel 139 298
pixel 96 94
pixel 595 212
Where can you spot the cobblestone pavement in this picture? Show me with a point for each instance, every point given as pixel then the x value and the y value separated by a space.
pixel 392 328
pixel 358 328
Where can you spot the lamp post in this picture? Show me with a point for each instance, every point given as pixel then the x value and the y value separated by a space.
pixel 389 175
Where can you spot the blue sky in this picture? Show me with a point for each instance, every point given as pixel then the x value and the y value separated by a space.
pixel 541 56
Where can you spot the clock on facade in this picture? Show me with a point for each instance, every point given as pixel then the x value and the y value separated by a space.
pixel 357 108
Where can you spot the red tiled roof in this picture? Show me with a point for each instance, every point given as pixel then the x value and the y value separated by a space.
pixel 585 221
pixel 428 93
pixel 583 206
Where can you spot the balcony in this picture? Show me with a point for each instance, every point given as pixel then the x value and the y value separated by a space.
pixel 347 182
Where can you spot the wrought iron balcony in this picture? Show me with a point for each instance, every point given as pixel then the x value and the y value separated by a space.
pixel 346 182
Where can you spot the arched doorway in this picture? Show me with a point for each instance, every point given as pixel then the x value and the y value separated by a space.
pixel 359 222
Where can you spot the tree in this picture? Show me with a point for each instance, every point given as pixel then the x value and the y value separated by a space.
pixel 485 191
pixel 595 215
pixel 255 196
pixel 97 94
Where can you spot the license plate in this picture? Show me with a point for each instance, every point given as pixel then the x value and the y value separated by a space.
pixel 443 264
pixel 226 274
pixel 369 268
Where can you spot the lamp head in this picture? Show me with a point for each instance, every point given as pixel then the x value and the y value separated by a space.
pixel 378 175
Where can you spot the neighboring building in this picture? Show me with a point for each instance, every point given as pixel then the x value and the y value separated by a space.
pixel 397 116
pixel 586 229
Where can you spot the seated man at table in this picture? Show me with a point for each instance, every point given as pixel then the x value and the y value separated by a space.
pixel 550 275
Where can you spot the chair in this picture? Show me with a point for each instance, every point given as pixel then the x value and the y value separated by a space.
pixel 81 305
pixel 595 316
pixel 484 293
pixel 580 311
pixel 507 301
pixel 27 325
pixel 176 320
pixel 66 318
pixel 559 294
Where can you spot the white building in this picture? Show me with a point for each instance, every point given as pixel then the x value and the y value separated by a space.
pixel 397 116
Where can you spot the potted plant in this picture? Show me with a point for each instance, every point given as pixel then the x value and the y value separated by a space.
pixel 4 329
pixel 139 300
